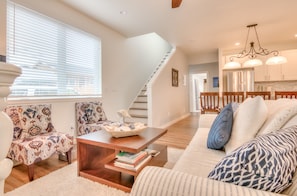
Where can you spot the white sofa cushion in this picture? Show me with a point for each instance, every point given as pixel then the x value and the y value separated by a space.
pixel 197 159
pixel 206 120
pixel 248 119
pixel 267 163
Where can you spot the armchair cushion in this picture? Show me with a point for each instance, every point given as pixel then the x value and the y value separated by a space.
pixel 30 120
pixel 89 113
pixel 40 147
pixel 35 120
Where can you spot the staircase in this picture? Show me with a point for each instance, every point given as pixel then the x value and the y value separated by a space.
pixel 139 108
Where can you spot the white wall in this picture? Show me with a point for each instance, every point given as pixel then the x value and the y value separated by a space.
pixel 126 63
pixel 170 103
pixel 209 57
pixel 143 52
pixel 212 70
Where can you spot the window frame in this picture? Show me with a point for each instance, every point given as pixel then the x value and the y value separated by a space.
pixel 97 68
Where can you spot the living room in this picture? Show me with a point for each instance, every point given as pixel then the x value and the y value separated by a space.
pixel 127 63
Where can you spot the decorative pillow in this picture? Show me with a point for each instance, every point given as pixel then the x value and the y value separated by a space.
pixel 291 122
pixel 221 128
pixel 267 163
pixel 248 119
pixel 282 112
pixel 235 106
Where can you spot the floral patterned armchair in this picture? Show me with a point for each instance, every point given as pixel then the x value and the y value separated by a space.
pixel 90 117
pixel 35 138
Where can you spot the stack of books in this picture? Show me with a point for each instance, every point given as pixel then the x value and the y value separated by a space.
pixel 132 161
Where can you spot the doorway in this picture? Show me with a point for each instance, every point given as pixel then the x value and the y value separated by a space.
pixel 199 84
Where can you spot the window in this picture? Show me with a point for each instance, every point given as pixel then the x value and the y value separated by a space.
pixel 56 60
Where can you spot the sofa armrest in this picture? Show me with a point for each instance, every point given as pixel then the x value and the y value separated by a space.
pixel 206 120
pixel 159 181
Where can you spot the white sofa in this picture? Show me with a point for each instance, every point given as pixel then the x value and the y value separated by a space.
pixel 189 177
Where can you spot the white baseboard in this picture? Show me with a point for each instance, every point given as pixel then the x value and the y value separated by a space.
pixel 174 121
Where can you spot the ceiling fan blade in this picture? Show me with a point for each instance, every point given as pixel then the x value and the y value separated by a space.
pixel 176 3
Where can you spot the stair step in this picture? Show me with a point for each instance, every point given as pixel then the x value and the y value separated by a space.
pixel 139 105
pixel 138 116
pixel 142 120
pixel 140 101
pixel 136 112
pixel 138 109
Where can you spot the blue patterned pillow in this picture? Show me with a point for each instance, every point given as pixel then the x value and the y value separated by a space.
pixel 267 162
pixel 221 128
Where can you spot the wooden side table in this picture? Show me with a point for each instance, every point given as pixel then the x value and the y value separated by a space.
pixel 96 153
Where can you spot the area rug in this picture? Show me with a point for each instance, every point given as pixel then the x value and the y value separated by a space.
pixel 173 154
pixel 65 182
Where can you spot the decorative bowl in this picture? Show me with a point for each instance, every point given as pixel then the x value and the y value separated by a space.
pixel 118 130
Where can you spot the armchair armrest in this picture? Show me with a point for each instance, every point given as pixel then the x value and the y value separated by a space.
pixel 5 169
pixel 159 181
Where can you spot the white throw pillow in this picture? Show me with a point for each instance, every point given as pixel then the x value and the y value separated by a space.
pixel 279 112
pixel 248 119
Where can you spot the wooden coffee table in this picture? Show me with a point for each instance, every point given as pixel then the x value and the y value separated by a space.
pixel 96 153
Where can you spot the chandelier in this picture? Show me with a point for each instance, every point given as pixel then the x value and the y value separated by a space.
pixel 252 54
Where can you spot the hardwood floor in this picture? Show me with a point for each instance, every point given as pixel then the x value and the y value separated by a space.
pixel 19 173
pixel 178 135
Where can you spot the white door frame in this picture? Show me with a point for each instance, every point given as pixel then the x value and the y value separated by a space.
pixel 197 85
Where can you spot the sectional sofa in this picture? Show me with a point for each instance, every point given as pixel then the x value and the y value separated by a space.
pixel 254 153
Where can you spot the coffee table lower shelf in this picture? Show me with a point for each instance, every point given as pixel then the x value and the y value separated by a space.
pixel 97 151
pixel 111 178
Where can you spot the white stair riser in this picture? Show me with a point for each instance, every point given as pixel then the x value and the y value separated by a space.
pixel 139 105
pixel 143 93
pixel 141 99
pixel 142 120
pixel 138 112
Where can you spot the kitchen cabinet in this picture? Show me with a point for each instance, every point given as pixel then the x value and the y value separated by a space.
pixel 282 72
pixel 268 73
pixel 260 73
pixel 289 69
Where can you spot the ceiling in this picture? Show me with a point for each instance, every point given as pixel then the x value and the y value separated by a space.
pixel 197 27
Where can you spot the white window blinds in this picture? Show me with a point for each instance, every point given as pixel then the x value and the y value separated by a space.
pixel 56 59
